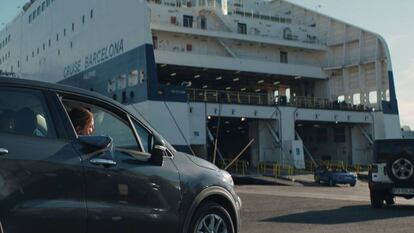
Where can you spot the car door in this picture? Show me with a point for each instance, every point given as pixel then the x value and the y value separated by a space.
pixel 125 191
pixel 41 182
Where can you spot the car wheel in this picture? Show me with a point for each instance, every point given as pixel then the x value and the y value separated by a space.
pixel 331 183
pixel 212 218
pixel 401 168
pixel 377 199
pixel 353 184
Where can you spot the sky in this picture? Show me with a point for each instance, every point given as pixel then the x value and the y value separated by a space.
pixel 392 19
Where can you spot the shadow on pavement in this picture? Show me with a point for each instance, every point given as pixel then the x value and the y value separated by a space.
pixel 348 214
pixel 249 180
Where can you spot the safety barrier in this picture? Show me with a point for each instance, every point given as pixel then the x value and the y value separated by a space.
pixel 248 98
pixel 238 167
pixel 274 169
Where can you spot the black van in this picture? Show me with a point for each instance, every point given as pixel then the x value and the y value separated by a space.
pixel 392 173
pixel 123 178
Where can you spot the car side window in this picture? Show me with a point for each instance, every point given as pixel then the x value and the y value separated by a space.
pixel 119 131
pixel 104 123
pixel 145 136
pixel 25 112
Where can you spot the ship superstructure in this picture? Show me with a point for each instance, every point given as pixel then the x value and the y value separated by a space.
pixel 214 75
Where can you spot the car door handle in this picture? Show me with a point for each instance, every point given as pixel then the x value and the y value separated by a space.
pixel 3 151
pixel 103 162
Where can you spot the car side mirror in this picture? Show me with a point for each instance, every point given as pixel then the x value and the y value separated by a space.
pixel 95 145
pixel 159 150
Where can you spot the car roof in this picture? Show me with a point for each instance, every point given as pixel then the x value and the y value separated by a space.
pixel 25 83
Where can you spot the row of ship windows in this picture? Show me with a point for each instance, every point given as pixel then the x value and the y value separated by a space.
pixel 5 41
pixel 4 58
pixel 42 7
pixel 49 44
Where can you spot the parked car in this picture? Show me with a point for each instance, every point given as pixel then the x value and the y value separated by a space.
pixel 334 176
pixel 392 173
pixel 123 178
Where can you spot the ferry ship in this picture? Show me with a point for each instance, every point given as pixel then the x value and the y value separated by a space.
pixel 217 76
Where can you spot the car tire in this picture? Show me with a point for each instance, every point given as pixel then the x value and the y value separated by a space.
pixel 377 199
pixel 400 168
pixel 353 184
pixel 212 217
pixel 331 183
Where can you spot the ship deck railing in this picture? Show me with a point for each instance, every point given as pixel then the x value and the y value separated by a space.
pixel 311 39
pixel 250 98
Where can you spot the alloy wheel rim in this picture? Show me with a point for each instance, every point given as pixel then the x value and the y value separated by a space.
pixel 402 169
pixel 212 223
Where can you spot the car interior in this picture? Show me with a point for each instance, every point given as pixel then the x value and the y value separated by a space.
pixel 27 119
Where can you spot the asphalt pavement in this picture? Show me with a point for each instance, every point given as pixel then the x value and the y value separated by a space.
pixel 319 209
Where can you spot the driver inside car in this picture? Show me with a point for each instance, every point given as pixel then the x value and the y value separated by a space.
pixel 82 120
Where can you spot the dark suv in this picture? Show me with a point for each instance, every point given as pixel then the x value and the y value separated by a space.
pixel 128 180
pixel 392 173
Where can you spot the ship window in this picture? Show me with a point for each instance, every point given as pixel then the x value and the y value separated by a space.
pixel 64 32
pixel 357 99
pixel 38 50
pixel 57 37
pixel 38 11
pixel 387 95
pixel 71 44
pixel 43 6
pixel 18 64
pixel 59 52
pixel 283 57
pixel 47 2
pixel 91 14
pixel 242 28
pixel 32 53
pixel 30 18
pixel 73 26
pixel 373 97
pixel 27 58
pixel 83 19
pixel 50 42
pixel 44 47
pixel 34 15
pixel 188 21
pixel 133 78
